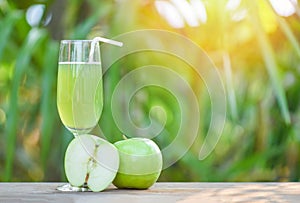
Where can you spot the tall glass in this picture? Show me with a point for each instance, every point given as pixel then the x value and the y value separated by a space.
pixel 79 88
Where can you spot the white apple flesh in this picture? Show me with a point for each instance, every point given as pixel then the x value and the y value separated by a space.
pixel 92 161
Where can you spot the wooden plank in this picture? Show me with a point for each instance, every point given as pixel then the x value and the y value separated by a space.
pixel 160 192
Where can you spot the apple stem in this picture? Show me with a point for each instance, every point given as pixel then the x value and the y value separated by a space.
pixel 124 137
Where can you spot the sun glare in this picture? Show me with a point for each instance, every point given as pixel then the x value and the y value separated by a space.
pixel 170 13
pixel 233 4
pixel 284 7
pixel 199 10
pixel 179 12
pixel 187 12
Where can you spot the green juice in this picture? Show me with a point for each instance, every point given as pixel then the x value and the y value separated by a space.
pixel 79 95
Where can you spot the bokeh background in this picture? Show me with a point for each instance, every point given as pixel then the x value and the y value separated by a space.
pixel 254 44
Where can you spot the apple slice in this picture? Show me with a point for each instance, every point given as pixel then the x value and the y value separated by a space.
pixel 91 160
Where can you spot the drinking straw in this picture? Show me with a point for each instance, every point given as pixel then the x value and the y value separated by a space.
pixel 109 41
pixel 105 40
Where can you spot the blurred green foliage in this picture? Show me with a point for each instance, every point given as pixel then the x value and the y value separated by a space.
pixel 258 58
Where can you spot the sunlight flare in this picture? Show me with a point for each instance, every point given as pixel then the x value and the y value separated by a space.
pixel 284 7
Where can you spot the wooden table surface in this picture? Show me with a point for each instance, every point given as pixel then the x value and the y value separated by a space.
pixel 159 193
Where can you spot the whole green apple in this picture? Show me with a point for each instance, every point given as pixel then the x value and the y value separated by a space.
pixel 140 163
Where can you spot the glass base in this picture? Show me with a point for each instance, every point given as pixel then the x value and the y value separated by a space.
pixel 69 188
pixel 79 131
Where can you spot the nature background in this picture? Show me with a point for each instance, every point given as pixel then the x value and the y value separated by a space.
pixel 255 45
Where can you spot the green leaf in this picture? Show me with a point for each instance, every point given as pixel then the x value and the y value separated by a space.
pixel 48 101
pixel 270 62
pixel 6 27
pixel 230 86
pixel 83 29
pixel 289 34
pixel 33 40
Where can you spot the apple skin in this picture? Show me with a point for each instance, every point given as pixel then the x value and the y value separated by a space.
pixel 140 163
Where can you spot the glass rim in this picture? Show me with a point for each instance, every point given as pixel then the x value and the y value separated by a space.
pixel 75 40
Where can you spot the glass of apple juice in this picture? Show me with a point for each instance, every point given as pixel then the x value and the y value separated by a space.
pixel 79 89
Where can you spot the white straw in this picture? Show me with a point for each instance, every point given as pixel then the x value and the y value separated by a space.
pixel 105 40
pixel 109 41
